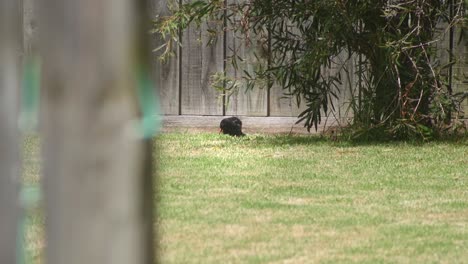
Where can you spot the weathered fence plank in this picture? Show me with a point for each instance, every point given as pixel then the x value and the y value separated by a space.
pixel 344 68
pixel 95 164
pixel 282 104
pixel 10 47
pixel 199 62
pixel 460 69
pixel 166 74
pixel 242 102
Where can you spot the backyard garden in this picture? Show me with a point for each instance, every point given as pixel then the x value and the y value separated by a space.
pixel 110 143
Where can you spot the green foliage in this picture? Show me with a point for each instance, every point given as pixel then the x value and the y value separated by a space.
pixel 296 43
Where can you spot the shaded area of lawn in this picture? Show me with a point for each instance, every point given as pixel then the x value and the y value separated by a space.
pixel 303 199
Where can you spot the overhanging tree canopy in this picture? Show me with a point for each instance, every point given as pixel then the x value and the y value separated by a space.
pixel 405 90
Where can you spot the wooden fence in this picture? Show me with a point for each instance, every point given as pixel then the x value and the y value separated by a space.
pixel 185 89
pixel 184 81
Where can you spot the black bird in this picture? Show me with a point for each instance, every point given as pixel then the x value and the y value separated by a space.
pixel 231 126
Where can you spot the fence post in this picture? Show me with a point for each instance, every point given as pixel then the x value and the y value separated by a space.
pixel 10 46
pixel 97 199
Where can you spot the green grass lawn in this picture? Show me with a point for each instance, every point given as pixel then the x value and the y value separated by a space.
pixel 280 199
pixel 267 199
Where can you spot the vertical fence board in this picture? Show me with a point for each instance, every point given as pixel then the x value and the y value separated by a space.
pixel 460 68
pixel 335 70
pixel 242 102
pixel 10 45
pixel 442 47
pixel 94 174
pixel 166 74
pixel 199 62
pixel 344 68
pixel 282 104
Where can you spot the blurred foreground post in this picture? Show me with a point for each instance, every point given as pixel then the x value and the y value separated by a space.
pixel 10 46
pixel 97 169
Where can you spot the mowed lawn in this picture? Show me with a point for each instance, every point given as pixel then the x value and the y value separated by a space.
pixel 301 199
pixel 280 199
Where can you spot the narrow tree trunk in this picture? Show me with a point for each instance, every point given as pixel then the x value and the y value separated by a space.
pixel 10 45
pixel 96 172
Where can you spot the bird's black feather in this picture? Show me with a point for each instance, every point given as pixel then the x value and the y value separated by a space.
pixel 231 126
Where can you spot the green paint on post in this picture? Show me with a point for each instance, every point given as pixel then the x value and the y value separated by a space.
pixel 30 95
pixel 28 119
pixel 150 122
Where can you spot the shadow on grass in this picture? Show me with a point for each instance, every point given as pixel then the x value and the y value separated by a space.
pixel 281 140
pixel 269 140
pixel 288 140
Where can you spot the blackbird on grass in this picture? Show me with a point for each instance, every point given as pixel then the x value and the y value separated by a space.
pixel 231 126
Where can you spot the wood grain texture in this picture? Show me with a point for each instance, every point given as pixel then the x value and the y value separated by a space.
pixel 94 159
pixel 284 105
pixel 165 74
pixel 281 103
pixel 460 69
pixel 10 44
pixel 338 107
pixel 199 62
pixel 344 69
pixel 442 46
pixel 242 102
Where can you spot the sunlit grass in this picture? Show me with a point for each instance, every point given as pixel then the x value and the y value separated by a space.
pixel 33 217
pixel 280 199
pixel 303 199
